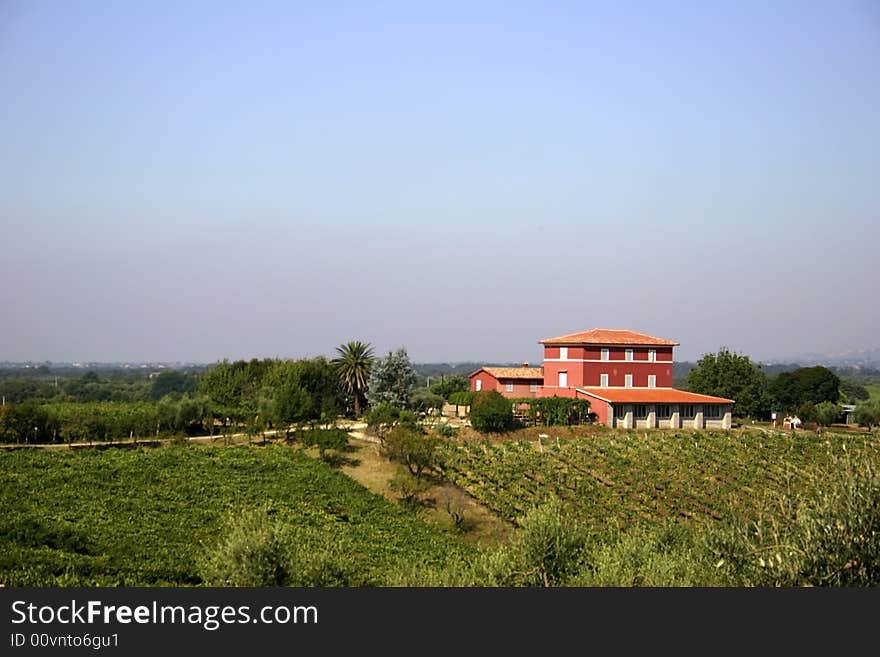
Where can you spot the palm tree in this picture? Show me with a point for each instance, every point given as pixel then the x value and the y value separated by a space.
pixel 353 367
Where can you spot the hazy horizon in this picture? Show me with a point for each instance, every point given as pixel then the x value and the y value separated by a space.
pixel 198 181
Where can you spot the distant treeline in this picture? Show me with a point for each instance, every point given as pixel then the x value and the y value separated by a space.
pixel 249 396
pixel 71 384
pixel 109 385
pixel 46 404
pixel 858 374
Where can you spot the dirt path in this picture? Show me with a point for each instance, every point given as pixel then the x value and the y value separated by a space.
pixel 373 471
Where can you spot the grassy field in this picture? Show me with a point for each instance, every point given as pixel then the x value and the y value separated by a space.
pixel 148 517
pixel 168 516
pixel 621 479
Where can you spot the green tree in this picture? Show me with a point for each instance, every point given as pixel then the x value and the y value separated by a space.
pixel 411 448
pixel 325 440
pixel 28 423
pixel 424 401
pixel 733 376
pixel 166 413
pixel 491 412
pixel 451 384
pixel 381 418
pixel 806 385
pixel 192 415
pixel 550 545
pixel 291 404
pixel 853 392
pixel 827 413
pixel 172 381
pixel 224 383
pixel 305 391
pixel 868 413
pixel 409 487
pixel 353 366
pixel 391 379
pixel 90 377
pixel 234 388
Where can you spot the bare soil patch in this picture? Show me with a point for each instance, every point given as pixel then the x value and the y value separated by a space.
pixel 479 526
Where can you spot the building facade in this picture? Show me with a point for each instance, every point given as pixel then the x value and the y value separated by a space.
pixel 509 381
pixel 626 376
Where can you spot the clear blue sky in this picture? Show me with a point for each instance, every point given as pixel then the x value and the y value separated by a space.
pixel 206 180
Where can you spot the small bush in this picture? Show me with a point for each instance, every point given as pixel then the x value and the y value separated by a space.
pixel 409 419
pixel 868 413
pixel 381 418
pixel 259 550
pixel 668 555
pixel 455 509
pixel 549 546
pixel 325 440
pixel 408 487
pixel 827 413
pixel 548 550
pixel 251 552
pixel 828 538
pixel 491 412
pixel 445 430
pixel 411 448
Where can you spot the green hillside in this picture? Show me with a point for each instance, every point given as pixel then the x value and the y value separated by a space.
pixel 149 517
pixel 620 479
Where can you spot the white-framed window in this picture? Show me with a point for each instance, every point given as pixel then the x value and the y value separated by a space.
pixel 605 354
pixel 619 411
pixel 687 410
pixel 603 380
pixel 713 411
pixel 563 353
pixel 628 381
pixel 663 411
pixel 652 355
pixel 652 380
pixel 641 411
pixel 629 354
pixel 533 387
pixel 563 379
pixel 508 387
pixel 479 385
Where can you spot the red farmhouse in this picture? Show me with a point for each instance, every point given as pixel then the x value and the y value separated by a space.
pixel 626 376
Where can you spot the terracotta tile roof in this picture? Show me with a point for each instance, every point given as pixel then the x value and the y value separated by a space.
pixel 654 396
pixel 609 336
pixel 513 372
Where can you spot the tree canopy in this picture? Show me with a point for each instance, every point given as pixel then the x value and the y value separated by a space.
pixel 451 384
pixel 827 413
pixel 280 392
pixel 173 382
pixel 853 391
pixel 491 412
pixel 391 379
pixel 734 376
pixel 806 385
pixel 868 413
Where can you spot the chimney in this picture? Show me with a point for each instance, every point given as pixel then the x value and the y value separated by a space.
pixel 525 363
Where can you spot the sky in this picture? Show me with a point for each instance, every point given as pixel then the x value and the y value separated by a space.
pixel 194 181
